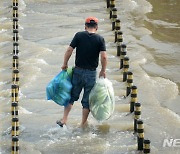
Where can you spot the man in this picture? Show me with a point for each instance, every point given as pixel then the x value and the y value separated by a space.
pixel 89 46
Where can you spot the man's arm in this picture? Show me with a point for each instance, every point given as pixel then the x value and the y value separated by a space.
pixel 67 55
pixel 103 64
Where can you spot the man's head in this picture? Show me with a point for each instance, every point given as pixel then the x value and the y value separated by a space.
pixel 91 22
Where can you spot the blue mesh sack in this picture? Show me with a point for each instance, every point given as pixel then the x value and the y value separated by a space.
pixel 59 88
pixel 101 99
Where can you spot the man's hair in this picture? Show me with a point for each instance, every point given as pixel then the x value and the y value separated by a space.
pixel 92 24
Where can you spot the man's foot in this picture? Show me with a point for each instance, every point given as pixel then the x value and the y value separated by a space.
pixel 60 123
pixel 85 125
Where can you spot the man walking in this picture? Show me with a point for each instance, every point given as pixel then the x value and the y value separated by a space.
pixel 89 46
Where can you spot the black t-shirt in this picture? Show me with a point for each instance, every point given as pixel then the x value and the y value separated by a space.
pixel 88 46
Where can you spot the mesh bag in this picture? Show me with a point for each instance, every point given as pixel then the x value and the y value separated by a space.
pixel 101 99
pixel 59 88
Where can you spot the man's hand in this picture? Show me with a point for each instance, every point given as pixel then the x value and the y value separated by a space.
pixel 102 73
pixel 64 67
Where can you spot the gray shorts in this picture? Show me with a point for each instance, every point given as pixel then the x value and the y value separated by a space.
pixel 82 79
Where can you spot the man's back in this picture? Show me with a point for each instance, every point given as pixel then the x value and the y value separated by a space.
pixel 88 45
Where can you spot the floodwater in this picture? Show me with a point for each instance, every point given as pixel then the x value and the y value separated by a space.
pixel 151 31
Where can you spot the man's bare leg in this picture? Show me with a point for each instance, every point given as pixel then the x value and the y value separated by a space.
pixel 67 109
pixel 85 113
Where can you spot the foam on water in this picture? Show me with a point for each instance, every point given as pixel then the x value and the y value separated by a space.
pixel 165 24
pixel 4 43
pixel 22 5
pixel 3 30
pixel 139 7
pixel 3 19
pixel 5 93
pixel 23 111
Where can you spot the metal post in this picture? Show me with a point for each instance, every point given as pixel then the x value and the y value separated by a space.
pixel 15 127
pixel 14 109
pixel 108 3
pixel 15 62
pixel 133 98
pixel 114 16
pixel 125 67
pixel 15 48
pixel 117 28
pixel 15 2
pixel 15 23
pixel 15 35
pixel 119 42
pixel 15 145
pixel 15 11
pixel 15 77
pixel 129 83
pixel 137 115
pixel 140 137
pixel 122 54
pixel 112 5
pixel 146 146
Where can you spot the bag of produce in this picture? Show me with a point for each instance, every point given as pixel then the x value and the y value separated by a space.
pixel 59 88
pixel 101 99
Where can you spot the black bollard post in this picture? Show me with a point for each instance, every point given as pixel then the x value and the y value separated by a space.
pixel 15 145
pixel 15 48
pixel 14 109
pixel 117 28
pixel 15 127
pixel 15 77
pixel 119 42
pixel 15 11
pixel 133 98
pixel 122 54
pixel 137 115
pixel 146 146
pixel 15 35
pixel 140 137
pixel 112 5
pixel 125 67
pixel 114 16
pixel 129 83
pixel 14 93
pixel 15 23
pixel 108 3
pixel 15 2
pixel 15 62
